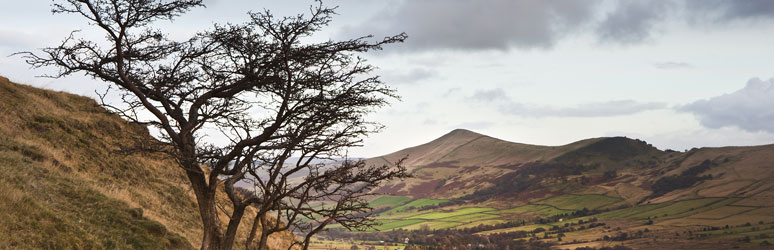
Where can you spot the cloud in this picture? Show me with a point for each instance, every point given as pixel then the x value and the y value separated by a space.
pixel 405 78
pixel 632 21
pixel 727 10
pixel 479 25
pixel 672 65
pixel 750 108
pixel 748 9
pixel 540 24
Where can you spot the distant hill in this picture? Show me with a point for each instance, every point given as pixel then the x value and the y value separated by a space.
pixel 465 165
pixel 66 184
pixel 590 194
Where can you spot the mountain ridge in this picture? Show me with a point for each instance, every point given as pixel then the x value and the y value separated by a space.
pixel 471 164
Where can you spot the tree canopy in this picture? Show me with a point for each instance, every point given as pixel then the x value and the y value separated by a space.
pixel 284 104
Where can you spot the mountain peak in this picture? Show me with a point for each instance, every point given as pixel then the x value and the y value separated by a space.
pixel 461 132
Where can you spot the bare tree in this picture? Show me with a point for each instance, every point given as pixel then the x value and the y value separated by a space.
pixel 283 104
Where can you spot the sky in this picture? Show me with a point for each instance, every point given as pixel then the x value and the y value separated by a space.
pixel 676 73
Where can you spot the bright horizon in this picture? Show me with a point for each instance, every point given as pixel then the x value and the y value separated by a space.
pixel 677 74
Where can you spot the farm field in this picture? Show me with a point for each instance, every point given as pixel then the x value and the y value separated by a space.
pixel 403 212
pixel 414 204
pixel 527 228
pixel 579 202
pixel 323 244
pixel 557 218
pixel 389 201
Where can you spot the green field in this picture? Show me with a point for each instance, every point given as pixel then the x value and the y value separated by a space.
pixel 433 225
pixel 396 224
pixel 389 201
pixel 536 210
pixel 404 214
pixel 472 217
pixel 663 211
pixel 528 228
pixel 523 209
pixel 480 222
pixel 464 211
pixel 684 208
pixel 723 212
pixel 579 202
pixel 415 204
pixel 439 219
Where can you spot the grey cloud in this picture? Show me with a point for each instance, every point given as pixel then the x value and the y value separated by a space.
pixel 414 76
pixel 749 9
pixel 724 10
pixel 749 108
pixel 476 25
pixel 672 65
pixel 632 21
pixel 540 24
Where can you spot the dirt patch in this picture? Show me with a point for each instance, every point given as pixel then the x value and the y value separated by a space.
pixel 426 189
pixel 392 189
pixel 534 195
pixel 443 164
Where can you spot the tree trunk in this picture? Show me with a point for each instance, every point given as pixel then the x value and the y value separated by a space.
pixel 213 235
pixel 263 244
pixel 253 230
pixel 205 197
pixel 233 225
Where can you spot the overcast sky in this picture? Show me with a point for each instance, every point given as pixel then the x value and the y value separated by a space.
pixel 678 74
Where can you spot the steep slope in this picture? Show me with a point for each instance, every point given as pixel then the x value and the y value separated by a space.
pixel 66 183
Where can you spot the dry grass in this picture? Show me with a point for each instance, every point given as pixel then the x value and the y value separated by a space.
pixel 60 140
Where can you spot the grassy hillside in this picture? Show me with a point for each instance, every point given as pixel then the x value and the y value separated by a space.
pixel 462 162
pixel 595 192
pixel 464 165
pixel 66 183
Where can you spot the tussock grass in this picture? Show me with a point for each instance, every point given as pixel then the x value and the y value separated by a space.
pixel 70 185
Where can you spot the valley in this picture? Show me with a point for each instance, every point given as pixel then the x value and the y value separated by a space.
pixel 600 192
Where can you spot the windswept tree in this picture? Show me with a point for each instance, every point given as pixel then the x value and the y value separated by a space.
pixel 283 103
